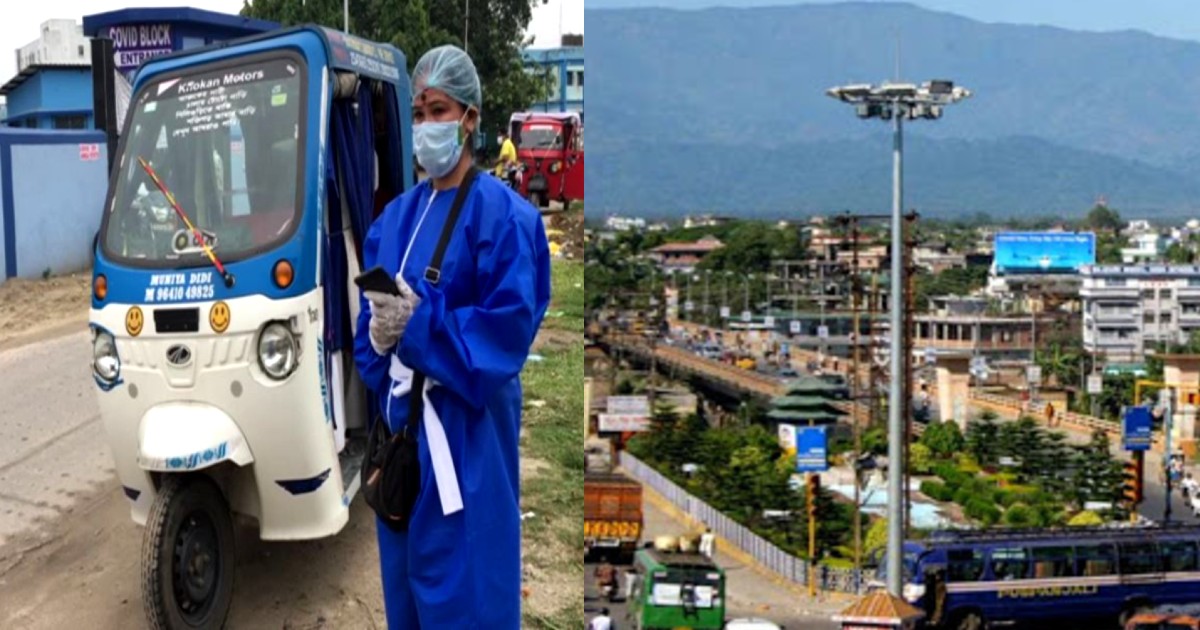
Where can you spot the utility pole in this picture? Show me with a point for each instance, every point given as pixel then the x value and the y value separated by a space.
pixel 346 15
pixel 855 287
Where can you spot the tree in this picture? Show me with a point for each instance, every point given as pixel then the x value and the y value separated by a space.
pixel 1180 254
pixel 1103 218
pixel 494 34
pixel 920 458
pixel 981 439
pixel 876 538
pixel 1098 477
pixel 943 438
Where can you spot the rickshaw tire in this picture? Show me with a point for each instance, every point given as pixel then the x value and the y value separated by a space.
pixel 158 598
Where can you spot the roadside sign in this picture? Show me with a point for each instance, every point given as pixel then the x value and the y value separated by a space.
pixel 617 422
pixel 811 453
pixel 794 327
pixel 1095 384
pixel 769 321
pixel 1034 374
pixel 1135 429
pixel 787 439
pixel 629 405
pixel 746 316
pixel 689 306
pixel 823 332
pixel 724 312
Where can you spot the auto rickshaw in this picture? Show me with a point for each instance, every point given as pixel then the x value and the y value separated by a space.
pixel 550 149
pixel 223 307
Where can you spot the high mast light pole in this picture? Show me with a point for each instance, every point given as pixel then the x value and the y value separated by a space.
pixel 897 102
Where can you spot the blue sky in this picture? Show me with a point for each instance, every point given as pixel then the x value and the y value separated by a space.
pixel 1169 18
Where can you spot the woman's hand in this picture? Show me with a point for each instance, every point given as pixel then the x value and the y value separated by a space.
pixel 390 315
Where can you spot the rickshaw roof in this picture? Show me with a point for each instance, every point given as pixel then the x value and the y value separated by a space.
pixel 382 62
pixel 559 116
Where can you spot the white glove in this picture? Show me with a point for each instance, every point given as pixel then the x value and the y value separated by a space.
pixel 390 315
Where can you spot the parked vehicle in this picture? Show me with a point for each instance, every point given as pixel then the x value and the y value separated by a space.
pixel 221 354
pixel 550 149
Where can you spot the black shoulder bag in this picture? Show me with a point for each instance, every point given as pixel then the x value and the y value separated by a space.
pixel 391 472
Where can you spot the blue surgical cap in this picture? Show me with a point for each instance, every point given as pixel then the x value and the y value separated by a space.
pixel 449 69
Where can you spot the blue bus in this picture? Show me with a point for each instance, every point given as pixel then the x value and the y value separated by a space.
pixel 973 579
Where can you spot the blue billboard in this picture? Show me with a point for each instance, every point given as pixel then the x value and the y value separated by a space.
pixel 1136 429
pixel 811 452
pixel 1044 252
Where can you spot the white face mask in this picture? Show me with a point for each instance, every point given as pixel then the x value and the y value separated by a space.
pixel 438 146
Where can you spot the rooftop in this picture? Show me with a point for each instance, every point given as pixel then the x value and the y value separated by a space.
pixel 30 70
pixel 100 21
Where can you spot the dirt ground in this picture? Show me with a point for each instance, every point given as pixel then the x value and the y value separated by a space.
pixel 566 229
pixel 30 309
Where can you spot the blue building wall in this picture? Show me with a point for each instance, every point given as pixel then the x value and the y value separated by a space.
pixel 52 188
pixel 46 94
pixel 562 62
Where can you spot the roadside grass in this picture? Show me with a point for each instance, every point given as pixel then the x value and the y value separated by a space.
pixel 566 307
pixel 552 458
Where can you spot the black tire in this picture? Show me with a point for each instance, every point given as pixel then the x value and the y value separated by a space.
pixel 189 524
pixel 968 620
pixel 1129 612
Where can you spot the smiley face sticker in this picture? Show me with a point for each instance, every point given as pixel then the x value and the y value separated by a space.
pixel 134 321
pixel 218 317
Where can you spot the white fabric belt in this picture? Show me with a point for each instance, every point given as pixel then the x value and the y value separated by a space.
pixel 435 434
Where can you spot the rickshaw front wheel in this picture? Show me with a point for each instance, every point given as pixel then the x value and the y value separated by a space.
pixel 188 556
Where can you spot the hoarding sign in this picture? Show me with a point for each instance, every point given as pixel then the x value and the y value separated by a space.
pixel 629 405
pixel 1136 429
pixel 811 452
pixel 787 439
pixel 616 422
pixel 1044 252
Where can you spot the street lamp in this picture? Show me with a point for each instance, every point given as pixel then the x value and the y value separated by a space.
pixel 897 102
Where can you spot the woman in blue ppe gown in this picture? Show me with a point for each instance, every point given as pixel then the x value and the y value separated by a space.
pixel 459 563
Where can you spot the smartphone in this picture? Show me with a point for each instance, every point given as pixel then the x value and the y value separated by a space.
pixel 378 280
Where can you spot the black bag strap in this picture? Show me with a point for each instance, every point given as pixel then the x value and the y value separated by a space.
pixel 433 274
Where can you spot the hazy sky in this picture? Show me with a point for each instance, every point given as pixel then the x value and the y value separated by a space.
pixel 1169 18
pixel 23 18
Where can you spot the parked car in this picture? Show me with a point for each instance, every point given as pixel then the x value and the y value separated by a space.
pixel 841 386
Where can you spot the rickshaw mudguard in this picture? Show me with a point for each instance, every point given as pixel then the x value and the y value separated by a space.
pixel 181 437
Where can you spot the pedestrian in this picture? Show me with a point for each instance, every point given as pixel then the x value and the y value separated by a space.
pixel 465 331
pixel 1188 486
pixel 507 164
pixel 708 543
pixel 601 621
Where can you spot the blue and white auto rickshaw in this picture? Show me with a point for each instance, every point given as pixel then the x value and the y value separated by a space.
pixel 223 302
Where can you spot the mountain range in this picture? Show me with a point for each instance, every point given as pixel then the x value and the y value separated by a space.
pixel 724 110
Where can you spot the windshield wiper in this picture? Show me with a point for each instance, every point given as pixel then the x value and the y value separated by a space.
pixel 182 215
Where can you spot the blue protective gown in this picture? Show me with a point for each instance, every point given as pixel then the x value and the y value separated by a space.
pixel 471 334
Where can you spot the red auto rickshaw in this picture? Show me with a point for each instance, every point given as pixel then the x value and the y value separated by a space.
pixel 550 149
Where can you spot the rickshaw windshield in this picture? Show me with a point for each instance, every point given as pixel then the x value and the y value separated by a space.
pixel 539 136
pixel 227 143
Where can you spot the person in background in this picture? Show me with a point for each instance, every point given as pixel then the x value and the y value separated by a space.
pixel 708 543
pixel 601 621
pixel 507 165
pixel 468 329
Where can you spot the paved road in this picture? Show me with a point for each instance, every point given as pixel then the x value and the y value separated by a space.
pixel 52 445
pixel 748 592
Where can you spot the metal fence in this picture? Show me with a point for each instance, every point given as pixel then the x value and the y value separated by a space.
pixel 763 551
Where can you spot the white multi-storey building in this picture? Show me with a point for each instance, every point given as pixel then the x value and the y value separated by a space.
pixel 1129 309
pixel 61 44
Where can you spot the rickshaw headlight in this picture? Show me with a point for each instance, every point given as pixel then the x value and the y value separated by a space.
pixel 277 351
pixel 105 362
